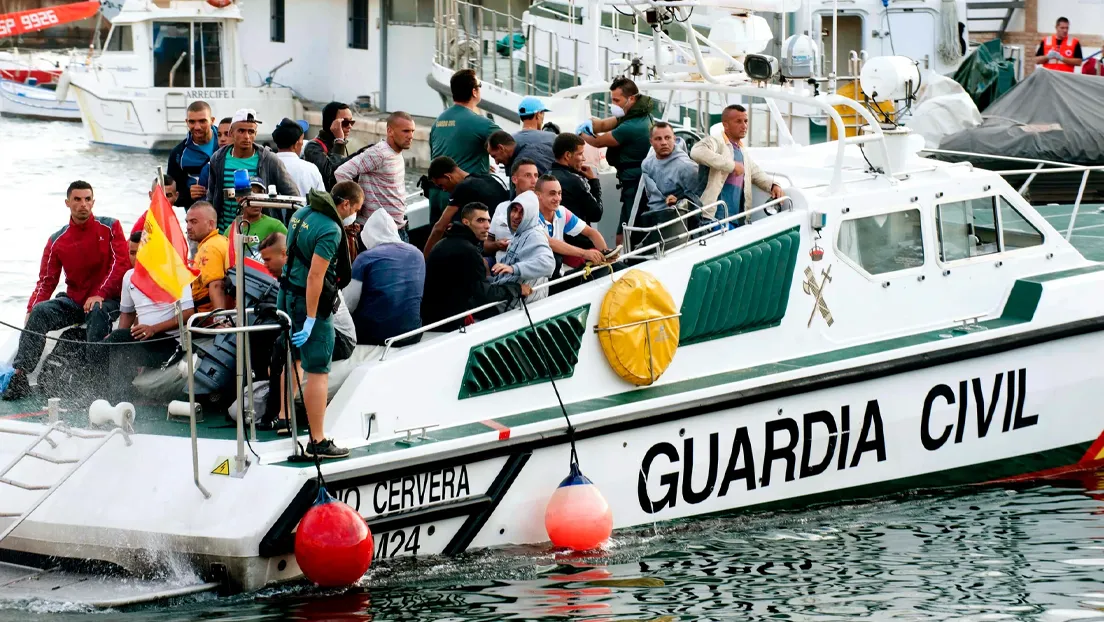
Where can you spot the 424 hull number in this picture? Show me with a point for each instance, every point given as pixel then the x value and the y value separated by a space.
pixel 390 543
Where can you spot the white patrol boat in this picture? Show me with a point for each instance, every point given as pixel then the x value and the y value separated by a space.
pixel 158 58
pixel 898 324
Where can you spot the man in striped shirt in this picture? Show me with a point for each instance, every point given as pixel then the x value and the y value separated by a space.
pixel 381 172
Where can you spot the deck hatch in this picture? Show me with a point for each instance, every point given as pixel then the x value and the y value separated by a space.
pixel 743 290
pixel 515 359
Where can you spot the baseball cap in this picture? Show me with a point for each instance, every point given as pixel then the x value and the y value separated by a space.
pixel 287 132
pixel 245 114
pixel 530 106
pixel 258 185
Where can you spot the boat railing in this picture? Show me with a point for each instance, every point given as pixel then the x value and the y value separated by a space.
pixel 187 329
pixel 692 237
pixel 30 452
pixel 459 23
pixel 1042 167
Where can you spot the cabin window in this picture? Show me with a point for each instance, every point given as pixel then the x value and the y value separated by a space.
pixel 418 12
pixel 276 26
pixel 358 24
pixel 975 227
pixel 171 45
pixel 208 54
pixel 1016 231
pixel 121 39
pixel 883 243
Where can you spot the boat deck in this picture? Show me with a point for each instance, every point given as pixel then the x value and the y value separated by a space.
pixel 1088 230
pixel 149 418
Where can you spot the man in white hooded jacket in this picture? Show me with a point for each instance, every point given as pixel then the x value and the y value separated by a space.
pixel 529 257
pixel 385 293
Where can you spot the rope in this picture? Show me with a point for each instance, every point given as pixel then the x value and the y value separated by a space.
pixel 545 356
pixel 86 343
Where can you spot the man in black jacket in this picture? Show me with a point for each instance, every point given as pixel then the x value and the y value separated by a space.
pixel 328 151
pixel 456 275
pixel 187 159
pixel 582 192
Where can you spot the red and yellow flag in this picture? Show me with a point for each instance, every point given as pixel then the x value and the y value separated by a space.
pixel 161 270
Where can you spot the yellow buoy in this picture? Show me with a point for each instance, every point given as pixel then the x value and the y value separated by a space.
pixel 638 327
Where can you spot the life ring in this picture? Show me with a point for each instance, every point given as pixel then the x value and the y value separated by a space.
pixel 220 4
pixel 638 327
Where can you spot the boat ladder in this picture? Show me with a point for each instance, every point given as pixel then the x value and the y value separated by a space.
pixel 32 452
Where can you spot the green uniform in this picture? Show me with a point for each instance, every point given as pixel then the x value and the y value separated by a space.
pixel 632 147
pixel 263 228
pixel 310 233
pixel 461 135
pixel 632 136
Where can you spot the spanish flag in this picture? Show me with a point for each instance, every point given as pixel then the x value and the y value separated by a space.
pixel 161 270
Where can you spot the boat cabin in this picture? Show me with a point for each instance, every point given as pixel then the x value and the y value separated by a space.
pixel 177 44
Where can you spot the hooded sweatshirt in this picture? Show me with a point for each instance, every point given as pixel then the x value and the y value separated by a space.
pixel 674 175
pixel 529 252
pixel 386 291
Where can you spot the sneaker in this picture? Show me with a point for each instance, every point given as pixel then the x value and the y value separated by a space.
pixel 18 387
pixel 325 449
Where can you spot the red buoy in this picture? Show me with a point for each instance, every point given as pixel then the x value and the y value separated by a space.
pixel 333 544
pixel 578 517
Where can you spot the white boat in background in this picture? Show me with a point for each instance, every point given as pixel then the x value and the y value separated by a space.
pixel 563 44
pixel 27 100
pixel 159 58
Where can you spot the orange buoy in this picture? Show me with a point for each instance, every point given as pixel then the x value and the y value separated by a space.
pixel 220 4
pixel 578 516
pixel 333 544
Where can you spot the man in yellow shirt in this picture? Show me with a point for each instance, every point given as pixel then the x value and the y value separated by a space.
pixel 212 258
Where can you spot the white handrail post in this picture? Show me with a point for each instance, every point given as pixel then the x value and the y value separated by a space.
pixel 1077 203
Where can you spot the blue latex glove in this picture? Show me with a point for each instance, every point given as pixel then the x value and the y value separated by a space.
pixel 586 127
pixel 301 337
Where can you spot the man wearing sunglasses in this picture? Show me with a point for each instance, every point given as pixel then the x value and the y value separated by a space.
pixel 328 151
pixel 460 133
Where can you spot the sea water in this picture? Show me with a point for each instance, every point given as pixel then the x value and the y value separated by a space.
pixel 1035 552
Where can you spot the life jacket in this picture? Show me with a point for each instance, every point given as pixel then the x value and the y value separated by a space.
pixel 1066 49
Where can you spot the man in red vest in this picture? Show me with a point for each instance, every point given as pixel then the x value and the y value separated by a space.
pixel 1059 52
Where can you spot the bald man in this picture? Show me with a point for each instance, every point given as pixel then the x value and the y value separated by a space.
pixel 212 258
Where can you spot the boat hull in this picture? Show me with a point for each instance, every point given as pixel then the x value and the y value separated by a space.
pixel 787 444
pixel 1011 407
pixel 22 100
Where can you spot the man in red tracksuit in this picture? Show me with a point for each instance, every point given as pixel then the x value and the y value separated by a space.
pixel 94 254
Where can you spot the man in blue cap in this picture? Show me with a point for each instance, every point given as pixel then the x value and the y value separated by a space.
pixel 288 136
pixel 531 142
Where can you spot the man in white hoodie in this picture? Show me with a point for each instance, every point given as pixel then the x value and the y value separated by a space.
pixel 524 176
pixel 528 259
pixel 385 292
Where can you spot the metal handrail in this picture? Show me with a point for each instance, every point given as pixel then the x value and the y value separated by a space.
pixel 640 252
pixel 186 330
pixel 1056 168
pixel 34 506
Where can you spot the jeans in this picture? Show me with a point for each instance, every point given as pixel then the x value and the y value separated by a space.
pixel 58 313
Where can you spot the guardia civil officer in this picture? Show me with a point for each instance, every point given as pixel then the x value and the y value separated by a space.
pixel 318 267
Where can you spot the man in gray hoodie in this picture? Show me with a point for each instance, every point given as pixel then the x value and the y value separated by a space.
pixel 529 257
pixel 671 175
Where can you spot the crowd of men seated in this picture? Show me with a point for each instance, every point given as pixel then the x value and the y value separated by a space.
pixel 491 242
